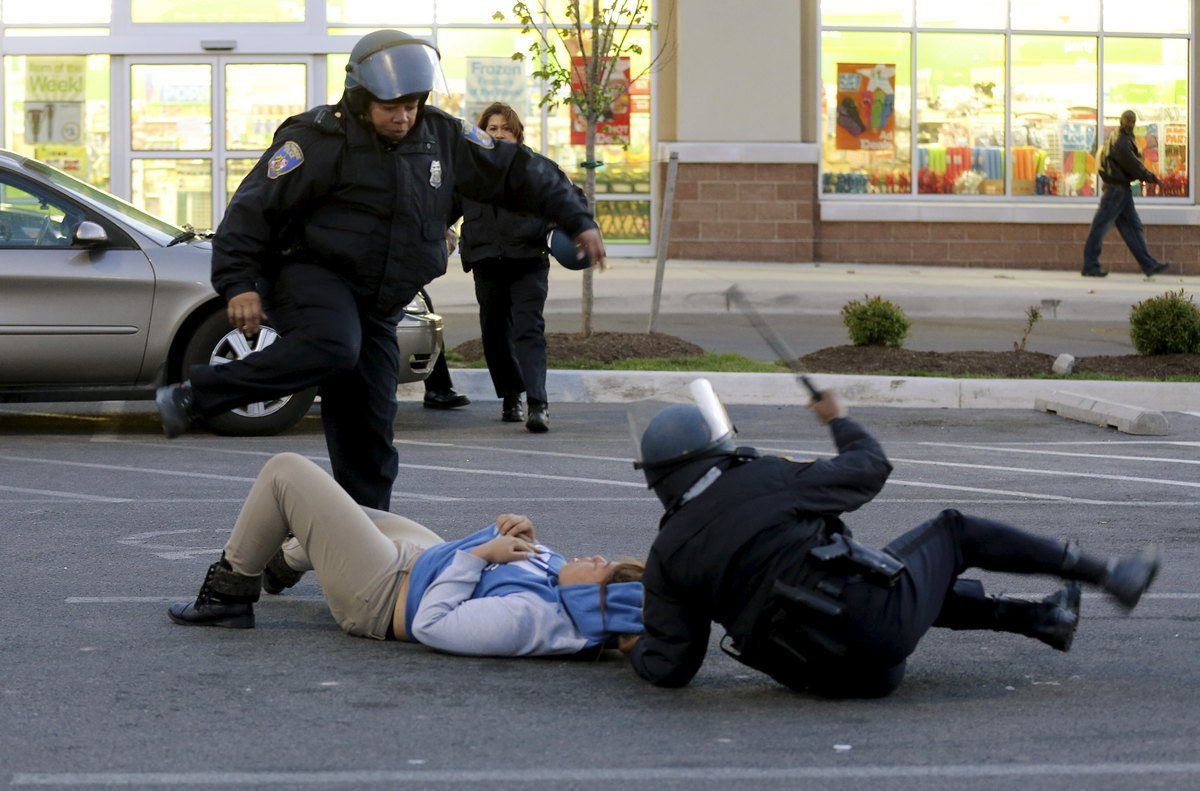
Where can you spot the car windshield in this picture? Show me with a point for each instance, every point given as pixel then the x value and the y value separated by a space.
pixel 160 231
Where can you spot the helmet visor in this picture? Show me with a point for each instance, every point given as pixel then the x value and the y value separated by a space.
pixel 404 68
pixel 715 427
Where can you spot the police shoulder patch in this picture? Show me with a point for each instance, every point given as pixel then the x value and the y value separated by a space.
pixel 286 159
pixel 477 135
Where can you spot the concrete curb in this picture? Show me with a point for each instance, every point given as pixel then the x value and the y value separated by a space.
pixel 782 389
pixel 1124 418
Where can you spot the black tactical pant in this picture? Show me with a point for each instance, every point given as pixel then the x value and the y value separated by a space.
pixel 328 339
pixel 862 651
pixel 512 296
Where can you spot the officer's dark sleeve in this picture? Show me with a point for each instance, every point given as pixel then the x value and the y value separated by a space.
pixel 672 649
pixel 850 479
pixel 1125 155
pixel 262 205
pixel 516 178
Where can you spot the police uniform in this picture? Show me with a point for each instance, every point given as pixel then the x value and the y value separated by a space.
pixel 506 255
pixel 757 546
pixel 339 229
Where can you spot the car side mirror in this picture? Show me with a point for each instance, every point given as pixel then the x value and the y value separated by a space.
pixel 90 234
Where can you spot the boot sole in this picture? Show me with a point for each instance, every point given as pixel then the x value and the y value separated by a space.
pixel 239 622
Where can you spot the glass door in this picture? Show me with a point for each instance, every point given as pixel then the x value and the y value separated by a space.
pixel 199 123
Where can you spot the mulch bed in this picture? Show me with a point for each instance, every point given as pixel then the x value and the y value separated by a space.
pixel 608 347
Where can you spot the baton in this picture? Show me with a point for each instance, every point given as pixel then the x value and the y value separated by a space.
pixel 734 296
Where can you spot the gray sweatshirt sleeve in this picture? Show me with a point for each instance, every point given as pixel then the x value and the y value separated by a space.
pixel 520 624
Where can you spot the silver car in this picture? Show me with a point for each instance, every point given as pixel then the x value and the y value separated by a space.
pixel 100 301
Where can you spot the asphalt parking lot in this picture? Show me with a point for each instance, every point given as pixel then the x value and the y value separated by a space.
pixel 103 523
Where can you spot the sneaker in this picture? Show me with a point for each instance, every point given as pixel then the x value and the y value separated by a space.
pixel 539 417
pixel 176 408
pixel 1157 269
pixel 445 399
pixel 512 411
pixel 1093 273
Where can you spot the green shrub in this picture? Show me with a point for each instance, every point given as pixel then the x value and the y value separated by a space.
pixel 876 322
pixel 1168 324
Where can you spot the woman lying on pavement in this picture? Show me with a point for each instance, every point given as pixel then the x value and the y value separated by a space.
pixel 494 593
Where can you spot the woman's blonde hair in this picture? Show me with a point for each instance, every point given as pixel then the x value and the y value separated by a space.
pixel 508 114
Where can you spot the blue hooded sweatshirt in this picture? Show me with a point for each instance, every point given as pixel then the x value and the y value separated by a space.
pixel 461 604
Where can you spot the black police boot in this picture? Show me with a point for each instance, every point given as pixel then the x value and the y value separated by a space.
pixel 445 399
pixel 226 599
pixel 1128 578
pixel 278 575
pixel 1053 620
pixel 512 411
pixel 176 408
pixel 539 417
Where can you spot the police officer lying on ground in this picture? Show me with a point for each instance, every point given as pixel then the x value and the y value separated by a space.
pixel 339 225
pixel 756 544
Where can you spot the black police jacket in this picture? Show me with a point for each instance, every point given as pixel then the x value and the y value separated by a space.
pixel 1120 161
pixel 492 232
pixel 715 558
pixel 332 192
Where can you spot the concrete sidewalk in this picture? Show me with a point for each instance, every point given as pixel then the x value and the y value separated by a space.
pixel 952 309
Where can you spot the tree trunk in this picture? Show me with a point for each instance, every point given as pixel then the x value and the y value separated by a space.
pixel 589 190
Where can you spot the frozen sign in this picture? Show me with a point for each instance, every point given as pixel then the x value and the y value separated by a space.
pixel 54 96
pixel 495 80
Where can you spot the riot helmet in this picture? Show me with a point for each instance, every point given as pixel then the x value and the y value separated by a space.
pixel 389 64
pixel 681 442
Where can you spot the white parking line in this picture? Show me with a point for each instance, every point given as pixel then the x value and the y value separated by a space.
pixel 1114 457
pixel 124 468
pixel 596 775
pixel 69 495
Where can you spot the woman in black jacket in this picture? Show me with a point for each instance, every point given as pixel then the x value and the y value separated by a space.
pixel 506 253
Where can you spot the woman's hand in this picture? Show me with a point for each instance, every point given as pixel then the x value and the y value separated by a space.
pixel 505 549
pixel 517 526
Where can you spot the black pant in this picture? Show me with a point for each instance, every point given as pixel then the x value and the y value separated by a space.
pixel 512 295
pixel 881 625
pixel 439 373
pixel 328 339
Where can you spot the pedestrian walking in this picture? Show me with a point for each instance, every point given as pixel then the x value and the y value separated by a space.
pixel 757 544
pixel 340 225
pixel 1120 163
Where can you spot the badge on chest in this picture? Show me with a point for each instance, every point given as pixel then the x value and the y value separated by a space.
pixel 435 174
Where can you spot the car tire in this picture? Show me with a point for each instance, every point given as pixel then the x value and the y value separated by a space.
pixel 214 341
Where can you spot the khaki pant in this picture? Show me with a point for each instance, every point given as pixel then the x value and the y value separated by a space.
pixel 361 555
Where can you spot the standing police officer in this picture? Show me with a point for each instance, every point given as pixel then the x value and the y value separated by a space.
pixel 756 544
pixel 339 226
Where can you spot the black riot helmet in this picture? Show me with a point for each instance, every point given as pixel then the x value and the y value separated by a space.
pixel 682 442
pixel 389 64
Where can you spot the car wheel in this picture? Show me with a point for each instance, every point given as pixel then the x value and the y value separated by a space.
pixel 216 343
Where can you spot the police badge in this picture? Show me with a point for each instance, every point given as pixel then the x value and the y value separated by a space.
pixel 435 174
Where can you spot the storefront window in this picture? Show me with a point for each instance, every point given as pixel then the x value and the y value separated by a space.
pixel 177 190
pixel 957 14
pixel 57 111
pixel 1054 99
pixel 60 12
pixel 960 114
pixel 379 12
pixel 1149 76
pixel 1055 15
pixel 236 171
pixel 480 70
pixel 867 13
pixel 1147 16
pixel 156 11
pixel 258 97
pixel 866 142
pixel 171 107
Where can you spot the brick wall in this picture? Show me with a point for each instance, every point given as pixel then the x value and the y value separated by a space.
pixel 769 212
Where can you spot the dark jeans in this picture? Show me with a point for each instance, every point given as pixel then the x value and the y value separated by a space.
pixel 326 339
pixel 439 375
pixel 1116 207
pixel 512 295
